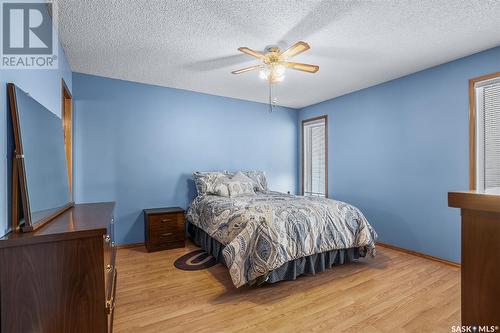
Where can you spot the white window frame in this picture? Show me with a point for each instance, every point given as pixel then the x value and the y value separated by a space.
pixel 305 123
pixel 477 177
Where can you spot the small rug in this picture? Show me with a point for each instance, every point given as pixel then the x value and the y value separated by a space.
pixel 195 260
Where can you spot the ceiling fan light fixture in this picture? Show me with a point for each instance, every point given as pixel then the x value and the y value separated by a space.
pixel 274 72
pixel 264 74
pixel 279 70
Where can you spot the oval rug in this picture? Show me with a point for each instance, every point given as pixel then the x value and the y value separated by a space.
pixel 195 260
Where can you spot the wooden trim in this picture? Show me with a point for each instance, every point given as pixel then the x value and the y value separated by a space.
pixel 21 182
pixel 325 117
pixel 419 254
pixel 67 120
pixel 130 246
pixel 15 196
pixel 472 126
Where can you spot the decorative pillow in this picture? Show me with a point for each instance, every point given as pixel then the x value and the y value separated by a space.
pixel 211 183
pixel 259 180
pixel 221 189
pixel 238 188
pixel 241 177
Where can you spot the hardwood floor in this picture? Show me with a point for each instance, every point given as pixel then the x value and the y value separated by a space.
pixel 393 292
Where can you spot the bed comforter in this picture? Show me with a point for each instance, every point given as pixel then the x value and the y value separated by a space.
pixel 262 232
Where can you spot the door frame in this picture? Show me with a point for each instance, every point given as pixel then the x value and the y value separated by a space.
pixel 67 121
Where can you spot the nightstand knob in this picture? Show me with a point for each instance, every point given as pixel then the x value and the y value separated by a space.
pixel 107 238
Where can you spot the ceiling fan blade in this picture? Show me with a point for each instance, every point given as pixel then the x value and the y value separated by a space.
pixel 295 49
pixel 247 69
pixel 251 52
pixel 302 67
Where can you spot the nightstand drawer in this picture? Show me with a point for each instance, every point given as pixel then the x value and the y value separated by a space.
pixel 165 237
pixel 167 222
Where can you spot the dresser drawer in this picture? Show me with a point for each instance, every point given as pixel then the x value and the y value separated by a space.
pixel 164 230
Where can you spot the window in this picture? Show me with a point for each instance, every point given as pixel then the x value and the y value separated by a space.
pixel 315 156
pixel 485 133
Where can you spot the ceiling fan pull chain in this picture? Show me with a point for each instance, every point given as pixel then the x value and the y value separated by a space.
pixel 270 97
pixel 274 100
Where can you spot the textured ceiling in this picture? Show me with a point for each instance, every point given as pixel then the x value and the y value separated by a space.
pixel 192 44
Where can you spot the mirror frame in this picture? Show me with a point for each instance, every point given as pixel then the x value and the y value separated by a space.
pixel 19 186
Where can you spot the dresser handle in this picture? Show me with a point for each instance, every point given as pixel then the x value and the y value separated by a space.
pixel 167 234
pixel 166 220
pixel 109 267
pixel 107 238
pixel 110 305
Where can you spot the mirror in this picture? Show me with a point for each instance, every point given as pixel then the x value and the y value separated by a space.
pixel 40 162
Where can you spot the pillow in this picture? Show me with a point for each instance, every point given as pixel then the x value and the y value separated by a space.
pixel 259 180
pixel 211 183
pixel 239 188
pixel 241 177
pixel 221 189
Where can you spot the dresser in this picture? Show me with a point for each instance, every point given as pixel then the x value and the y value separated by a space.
pixel 164 228
pixel 61 277
pixel 480 268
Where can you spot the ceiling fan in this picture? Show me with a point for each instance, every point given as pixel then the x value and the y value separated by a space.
pixel 275 62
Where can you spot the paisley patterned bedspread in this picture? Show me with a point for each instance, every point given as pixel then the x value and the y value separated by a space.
pixel 261 232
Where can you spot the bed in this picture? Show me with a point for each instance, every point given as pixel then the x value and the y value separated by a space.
pixel 268 236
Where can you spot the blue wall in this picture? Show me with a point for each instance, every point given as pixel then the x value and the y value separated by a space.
pixel 44 85
pixel 138 144
pixel 397 148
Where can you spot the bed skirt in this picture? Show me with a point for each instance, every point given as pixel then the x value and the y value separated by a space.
pixel 309 265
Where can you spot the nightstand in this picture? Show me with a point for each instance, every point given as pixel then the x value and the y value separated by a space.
pixel 164 228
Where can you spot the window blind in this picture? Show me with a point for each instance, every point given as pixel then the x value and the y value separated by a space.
pixel 315 158
pixel 491 137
